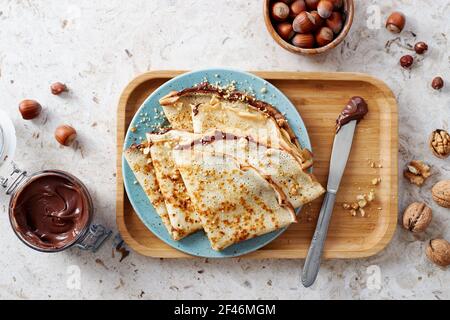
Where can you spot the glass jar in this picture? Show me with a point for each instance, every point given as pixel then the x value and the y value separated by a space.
pixel 66 225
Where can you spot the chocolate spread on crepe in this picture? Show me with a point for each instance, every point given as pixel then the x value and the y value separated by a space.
pixel 207 88
pixel 355 109
pixel 51 211
pixel 205 107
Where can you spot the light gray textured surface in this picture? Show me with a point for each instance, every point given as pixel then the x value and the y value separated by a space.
pixel 96 47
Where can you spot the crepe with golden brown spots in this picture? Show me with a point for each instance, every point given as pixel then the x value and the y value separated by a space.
pixel 182 215
pixel 278 164
pixel 142 167
pixel 234 201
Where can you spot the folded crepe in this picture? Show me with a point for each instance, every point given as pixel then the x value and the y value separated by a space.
pixel 279 165
pixel 203 107
pixel 182 215
pixel 235 202
pixel 140 162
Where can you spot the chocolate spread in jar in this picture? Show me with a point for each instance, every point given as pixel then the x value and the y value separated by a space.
pixel 50 211
pixel 355 109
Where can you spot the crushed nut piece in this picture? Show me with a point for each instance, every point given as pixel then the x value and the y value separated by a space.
pixel 354 206
pixel 362 212
pixel 417 172
pixel 371 196
pixel 346 206
pixel 376 181
pixel 353 212
pixel 362 203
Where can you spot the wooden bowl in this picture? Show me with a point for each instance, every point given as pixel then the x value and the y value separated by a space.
pixel 349 11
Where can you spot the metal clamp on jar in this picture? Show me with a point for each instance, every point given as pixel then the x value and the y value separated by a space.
pixel 50 210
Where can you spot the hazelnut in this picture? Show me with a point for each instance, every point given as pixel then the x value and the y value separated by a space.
pixel 280 11
pixel 440 143
pixel 324 36
pixel 297 7
pixel 337 4
pixel 396 22
pixel 318 19
pixel 417 172
pixel 437 83
pixel 420 47
pixel 335 22
pixel 30 109
pixel 65 135
pixel 441 193
pixel 312 4
pixel 417 217
pixel 285 30
pixel 325 8
pixel 438 251
pixel 303 40
pixel 304 23
pixel 57 88
pixel 406 61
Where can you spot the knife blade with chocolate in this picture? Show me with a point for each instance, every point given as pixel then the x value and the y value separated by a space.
pixel 354 111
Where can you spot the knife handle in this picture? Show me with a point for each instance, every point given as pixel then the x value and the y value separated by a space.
pixel 312 263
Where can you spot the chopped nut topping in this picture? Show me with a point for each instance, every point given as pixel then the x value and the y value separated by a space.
pixel 346 206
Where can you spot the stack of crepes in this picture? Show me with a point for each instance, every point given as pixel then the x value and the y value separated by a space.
pixel 230 165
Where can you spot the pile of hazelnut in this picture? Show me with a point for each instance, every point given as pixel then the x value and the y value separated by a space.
pixel 31 109
pixel 395 24
pixel 308 23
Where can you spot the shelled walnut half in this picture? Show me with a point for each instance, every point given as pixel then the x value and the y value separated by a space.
pixel 417 172
pixel 440 143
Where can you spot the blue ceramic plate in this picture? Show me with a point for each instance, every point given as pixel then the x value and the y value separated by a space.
pixel 150 114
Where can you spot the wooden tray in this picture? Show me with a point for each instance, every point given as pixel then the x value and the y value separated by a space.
pixel 319 97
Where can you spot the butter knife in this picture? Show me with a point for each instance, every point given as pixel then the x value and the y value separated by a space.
pixel 339 156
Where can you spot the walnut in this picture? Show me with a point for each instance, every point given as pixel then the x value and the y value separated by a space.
pixel 438 251
pixel 441 193
pixel 417 172
pixel 440 143
pixel 417 217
